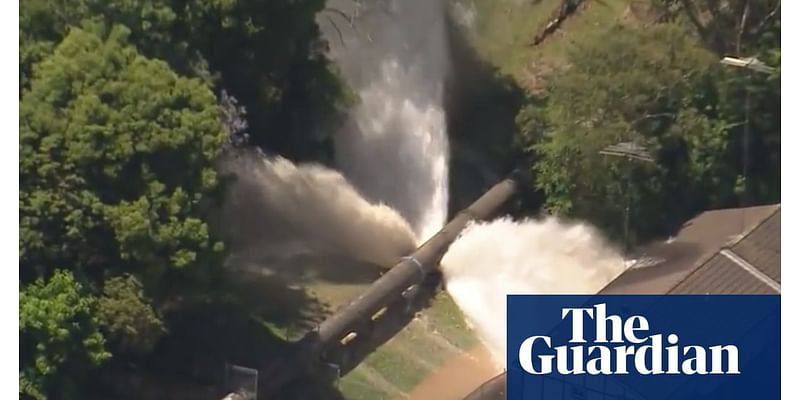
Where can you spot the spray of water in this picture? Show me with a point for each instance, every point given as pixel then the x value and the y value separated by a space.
pixel 394 145
pixel 394 150
pixel 277 210
pixel 501 257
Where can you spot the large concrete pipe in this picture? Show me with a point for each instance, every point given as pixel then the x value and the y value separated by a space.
pixel 412 270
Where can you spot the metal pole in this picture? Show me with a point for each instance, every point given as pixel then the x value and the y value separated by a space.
pixel 746 148
pixel 631 151
pixel 751 64
pixel 628 205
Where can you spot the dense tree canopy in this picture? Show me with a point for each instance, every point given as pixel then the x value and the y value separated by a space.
pixel 730 27
pixel 115 159
pixel 124 107
pixel 265 53
pixel 661 89
pixel 116 155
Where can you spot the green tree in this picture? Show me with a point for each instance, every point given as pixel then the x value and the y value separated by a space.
pixel 116 174
pixel 124 311
pixel 265 53
pixel 751 100
pixel 727 27
pixel 59 337
pixel 116 155
pixel 652 86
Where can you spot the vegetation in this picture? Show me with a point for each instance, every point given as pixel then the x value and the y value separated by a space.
pixel 649 87
pixel 59 336
pixel 115 167
pixel 126 105
pixel 267 54
pixel 712 131
pixel 124 108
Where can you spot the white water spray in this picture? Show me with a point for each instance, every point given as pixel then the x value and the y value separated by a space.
pixel 493 259
pixel 394 149
pixel 394 145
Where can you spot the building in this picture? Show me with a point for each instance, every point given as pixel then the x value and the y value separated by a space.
pixel 730 251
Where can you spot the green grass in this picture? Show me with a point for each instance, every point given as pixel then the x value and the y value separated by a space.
pixel 398 367
pixel 596 17
pixel 505 28
pixel 447 319
pixel 416 339
pixel 357 387
pixel 407 359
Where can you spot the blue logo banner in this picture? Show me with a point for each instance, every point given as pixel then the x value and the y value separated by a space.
pixel 670 347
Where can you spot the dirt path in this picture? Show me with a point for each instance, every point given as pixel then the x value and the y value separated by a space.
pixel 459 375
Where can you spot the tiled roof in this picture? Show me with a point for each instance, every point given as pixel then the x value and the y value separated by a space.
pixel 762 247
pixel 721 275
pixel 719 251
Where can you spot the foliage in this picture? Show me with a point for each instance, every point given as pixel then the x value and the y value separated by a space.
pixel 125 313
pixel 116 173
pixel 651 86
pixel 728 27
pixel 117 145
pixel 266 53
pixel 115 160
pixel 59 336
pixel 713 130
pixel 751 100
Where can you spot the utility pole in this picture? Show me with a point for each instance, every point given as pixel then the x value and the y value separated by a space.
pixel 750 64
pixel 630 151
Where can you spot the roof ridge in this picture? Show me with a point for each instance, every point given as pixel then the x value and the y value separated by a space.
pixel 750 231
pixel 727 246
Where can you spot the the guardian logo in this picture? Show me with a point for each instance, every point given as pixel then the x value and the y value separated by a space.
pixel 622 347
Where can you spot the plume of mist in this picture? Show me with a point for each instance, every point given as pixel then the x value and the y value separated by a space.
pixel 393 146
pixel 275 209
pixel 492 259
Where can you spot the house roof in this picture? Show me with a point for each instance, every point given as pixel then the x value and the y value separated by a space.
pixel 719 251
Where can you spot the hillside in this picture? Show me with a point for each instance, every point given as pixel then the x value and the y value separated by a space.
pixel 503 32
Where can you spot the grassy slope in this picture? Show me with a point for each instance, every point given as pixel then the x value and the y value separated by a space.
pixel 403 362
pixel 287 300
pixel 504 29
